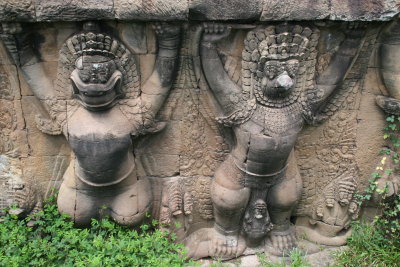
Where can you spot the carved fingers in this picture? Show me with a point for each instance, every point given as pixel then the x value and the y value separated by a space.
pixel 166 30
pixel 213 32
pixel 354 29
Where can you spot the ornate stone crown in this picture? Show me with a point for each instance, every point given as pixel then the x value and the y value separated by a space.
pixel 281 43
pixel 91 42
pixel 283 46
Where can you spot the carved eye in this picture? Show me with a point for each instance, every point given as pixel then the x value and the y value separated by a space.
pixel 85 79
pixel 270 72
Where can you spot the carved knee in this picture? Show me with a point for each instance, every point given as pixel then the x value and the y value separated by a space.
pixel 130 207
pixel 284 195
pixel 229 206
pixel 228 175
pixel 82 214
pixel 227 199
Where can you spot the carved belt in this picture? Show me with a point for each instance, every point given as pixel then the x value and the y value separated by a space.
pixel 259 181
pixel 108 183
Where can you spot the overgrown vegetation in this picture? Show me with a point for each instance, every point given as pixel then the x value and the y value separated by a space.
pixel 54 241
pixel 296 259
pixel 369 246
pixel 378 244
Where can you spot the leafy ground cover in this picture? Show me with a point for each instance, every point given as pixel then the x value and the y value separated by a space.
pixel 54 241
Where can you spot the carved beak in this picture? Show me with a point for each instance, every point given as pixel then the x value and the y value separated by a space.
pixel 284 81
pixel 97 96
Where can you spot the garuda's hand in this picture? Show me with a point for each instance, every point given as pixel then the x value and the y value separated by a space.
pixel 166 31
pixel 213 32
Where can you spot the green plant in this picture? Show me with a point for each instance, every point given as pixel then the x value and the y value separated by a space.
pixel 54 241
pixel 369 246
pixel 296 259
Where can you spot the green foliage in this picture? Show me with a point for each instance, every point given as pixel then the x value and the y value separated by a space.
pixel 369 246
pixel 54 241
pixel 296 259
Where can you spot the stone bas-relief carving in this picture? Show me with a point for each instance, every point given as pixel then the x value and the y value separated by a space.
pixel 259 179
pixel 390 71
pixel 224 162
pixel 107 109
pixel 327 155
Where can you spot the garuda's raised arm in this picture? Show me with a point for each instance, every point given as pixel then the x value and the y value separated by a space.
pixel 156 88
pixel 221 84
pixel 20 42
pixel 334 74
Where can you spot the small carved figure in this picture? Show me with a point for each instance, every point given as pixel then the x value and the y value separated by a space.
pixel 280 92
pixel 332 213
pixel 99 106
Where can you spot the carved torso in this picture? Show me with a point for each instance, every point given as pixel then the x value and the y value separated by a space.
pixel 101 142
pixel 266 140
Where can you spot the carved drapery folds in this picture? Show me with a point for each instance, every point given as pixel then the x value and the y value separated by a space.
pixel 234 136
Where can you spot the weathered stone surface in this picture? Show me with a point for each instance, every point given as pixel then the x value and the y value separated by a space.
pixel 158 165
pixel 10 180
pixel 5 59
pixel 21 10
pixel 75 10
pixel 134 36
pixel 47 171
pixel 224 9
pixel 151 9
pixel 13 136
pixel 370 120
pixel 301 10
pixel 363 9
pixel 41 144
pixel 347 10
pixel 98 70
pixel 263 10
pixel 267 80
pixel 146 63
pixel 9 84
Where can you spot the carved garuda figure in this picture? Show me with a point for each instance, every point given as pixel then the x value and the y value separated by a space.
pixel 256 188
pixel 99 105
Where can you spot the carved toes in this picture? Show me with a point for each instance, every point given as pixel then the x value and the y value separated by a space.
pixel 281 242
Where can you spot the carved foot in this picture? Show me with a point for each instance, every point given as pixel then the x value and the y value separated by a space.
pixel 226 246
pixel 208 242
pixel 280 243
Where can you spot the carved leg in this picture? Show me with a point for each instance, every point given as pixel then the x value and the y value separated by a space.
pixel 282 198
pixel 229 199
pixel 127 202
pixel 130 206
pixel 70 195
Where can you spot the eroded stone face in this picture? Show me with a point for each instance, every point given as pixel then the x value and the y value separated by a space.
pixel 279 78
pixel 209 133
pixel 96 82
